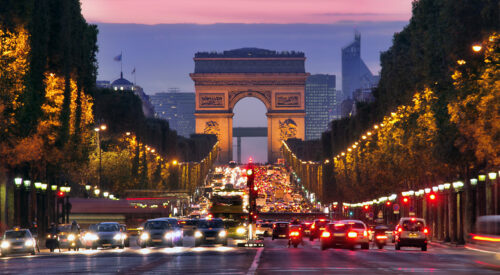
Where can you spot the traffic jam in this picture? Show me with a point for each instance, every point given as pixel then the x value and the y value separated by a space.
pixel 228 212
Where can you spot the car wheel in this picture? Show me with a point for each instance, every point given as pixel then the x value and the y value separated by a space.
pixel 295 245
pixel 272 238
pixel 33 252
pixel 224 243
pixel 398 247
pixel 365 246
pixel 143 245
pixel 324 247
pixel 197 244
pixel 311 238
pixel 380 246
pixel 424 248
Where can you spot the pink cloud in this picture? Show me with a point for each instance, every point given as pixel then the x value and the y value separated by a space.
pixel 244 11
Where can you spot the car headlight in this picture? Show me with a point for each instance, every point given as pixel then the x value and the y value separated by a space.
pixel 144 236
pixel 91 237
pixel 71 237
pixel 222 234
pixel 117 237
pixel 241 231
pixel 198 234
pixel 258 231
pixel 28 243
pixel 178 234
pixel 5 244
pixel 168 235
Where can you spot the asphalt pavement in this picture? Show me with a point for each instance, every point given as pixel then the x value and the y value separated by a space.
pixel 275 258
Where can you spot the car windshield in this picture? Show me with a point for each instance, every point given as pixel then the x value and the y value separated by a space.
pixel 266 225
pixel 15 234
pixel 107 228
pixel 409 225
pixel 282 225
pixel 211 224
pixel 157 225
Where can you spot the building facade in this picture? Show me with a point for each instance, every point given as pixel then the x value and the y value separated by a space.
pixel 355 73
pixel 322 101
pixel 177 108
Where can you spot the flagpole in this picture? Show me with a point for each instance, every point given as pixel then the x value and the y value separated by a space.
pixel 121 64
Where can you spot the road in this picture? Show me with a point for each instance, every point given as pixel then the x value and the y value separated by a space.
pixel 274 258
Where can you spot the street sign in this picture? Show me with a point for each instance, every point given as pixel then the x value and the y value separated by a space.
pixel 380 215
pixel 396 212
pixel 395 207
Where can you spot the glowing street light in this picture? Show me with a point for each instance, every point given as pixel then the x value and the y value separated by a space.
pixel 18 182
pixel 477 47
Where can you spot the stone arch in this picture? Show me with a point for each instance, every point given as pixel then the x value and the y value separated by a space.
pixel 235 96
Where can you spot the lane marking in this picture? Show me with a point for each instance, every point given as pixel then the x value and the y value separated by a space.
pixel 255 263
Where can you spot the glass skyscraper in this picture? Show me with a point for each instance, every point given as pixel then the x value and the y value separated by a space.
pixel 355 73
pixel 178 108
pixel 321 104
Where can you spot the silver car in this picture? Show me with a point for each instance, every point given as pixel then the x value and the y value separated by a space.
pixel 18 241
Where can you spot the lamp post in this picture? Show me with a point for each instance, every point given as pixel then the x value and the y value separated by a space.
pixel 18 182
pixel 458 186
pixel 98 130
pixel 448 209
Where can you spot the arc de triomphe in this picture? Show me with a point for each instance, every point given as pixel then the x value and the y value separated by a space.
pixel 276 78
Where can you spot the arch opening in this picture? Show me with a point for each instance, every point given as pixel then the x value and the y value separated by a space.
pixel 250 112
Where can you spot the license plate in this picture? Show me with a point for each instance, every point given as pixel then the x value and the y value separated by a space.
pixel 282 236
pixel 413 235
pixel 210 238
pixel 308 231
pixel 338 234
pixel 17 247
pixel 322 228
pixel 157 241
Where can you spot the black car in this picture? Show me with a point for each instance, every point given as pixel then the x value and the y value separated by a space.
pixel 210 231
pixel 317 228
pixel 280 230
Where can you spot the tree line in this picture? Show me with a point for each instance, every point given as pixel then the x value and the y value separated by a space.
pixel 444 95
pixel 49 106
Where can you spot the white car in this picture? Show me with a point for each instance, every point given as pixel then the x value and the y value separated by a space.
pixel 411 232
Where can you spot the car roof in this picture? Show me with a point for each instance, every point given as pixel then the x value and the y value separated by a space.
pixel 109 223
pixel 409 219
pixel 348 221
pixel 13 230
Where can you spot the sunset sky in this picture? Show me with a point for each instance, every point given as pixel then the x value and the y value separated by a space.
pixel 244 11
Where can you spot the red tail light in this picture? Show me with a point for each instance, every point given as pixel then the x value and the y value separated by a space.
pixel 352 235
pixel 313 226
pixel 426 231
pixel 325 234
pixel 400 230
pixel 294 233
pixel 274 225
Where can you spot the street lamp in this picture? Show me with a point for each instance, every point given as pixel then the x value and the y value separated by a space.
pixel 38 185
pixel 97 191
pixel 105 194
pixel 98 130
pixel 53 187
pixel 44 186
pixel 27 184
pixel 477 47
pixel 18 182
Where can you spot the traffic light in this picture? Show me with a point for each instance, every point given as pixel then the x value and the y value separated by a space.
pixel 432 197
pixel 388 203
pixel 366 207
pixel 406 200
pixel 60 194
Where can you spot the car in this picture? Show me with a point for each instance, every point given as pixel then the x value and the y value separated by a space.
pixel 108 234
pixel 178 235
pixel 280 230
pixel 18 241
pixel 210 231
pixel 235 229
pixel 158 232
pixel 67 238
pixel 306 228
pixel 188 226
pixel 345 233
pixel 411 231
pixel 317 227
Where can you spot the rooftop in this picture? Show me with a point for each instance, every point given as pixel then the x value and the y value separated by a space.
pixel 248 53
